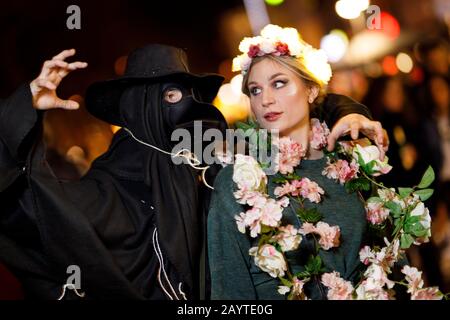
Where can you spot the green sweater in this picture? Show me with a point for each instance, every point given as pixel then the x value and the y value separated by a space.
pixel 233 272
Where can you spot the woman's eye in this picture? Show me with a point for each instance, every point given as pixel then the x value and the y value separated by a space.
pixel 279 84
pixel 255 91
pixel 173 95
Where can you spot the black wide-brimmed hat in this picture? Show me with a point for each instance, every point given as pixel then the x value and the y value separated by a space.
pixel 152 63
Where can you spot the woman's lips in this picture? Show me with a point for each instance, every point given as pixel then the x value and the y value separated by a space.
pixel 272 116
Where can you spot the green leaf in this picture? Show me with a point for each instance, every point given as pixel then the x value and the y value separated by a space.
pixel 358 184
pixel 302 275
pixel 374 200
pixel 427 179
pixel 424 194
pixel 406 241
pixel 293 176
pixel 285 282
pixel 394 207
pixel 314 265
pixel 309 215
pixel 280 180
pixel 398 225
pixel 404 192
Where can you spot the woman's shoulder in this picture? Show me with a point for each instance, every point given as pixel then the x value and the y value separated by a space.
pixel 224 180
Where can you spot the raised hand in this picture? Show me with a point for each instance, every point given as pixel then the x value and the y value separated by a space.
pixel 356 123
pixel 43 88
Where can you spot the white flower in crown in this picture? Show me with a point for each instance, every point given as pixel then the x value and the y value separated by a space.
pixel 316 62
pixel 279 41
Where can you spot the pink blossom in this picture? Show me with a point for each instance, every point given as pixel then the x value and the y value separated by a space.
pixel 376 213
pixel 377 276
pixel 369 289
pixel 240 221
pixel 288 238
pixel 306 188
pixel 431 293
pixel 338 288
pixel 307 228
pixel 297 289
pixel 319 134
pixel 366 255
pixel 269 259
pixel 309 190
pixel 341 170
pixel 329 236
pixel 285 189
pixel 271 213
pixel 251 198
pixel 413 277
pixel 282 49
pixel 253 51
pixel 290 154
pixel 252 220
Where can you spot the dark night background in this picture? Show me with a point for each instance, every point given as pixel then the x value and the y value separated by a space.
pixel 33 31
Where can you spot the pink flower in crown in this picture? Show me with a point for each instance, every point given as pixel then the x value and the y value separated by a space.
pixel 376 213
pixel 253 51
pixel 329 236
pixel 338 288
pixel 431 293
pixel 319 134
pixel 309 189
pixel 290 154
pixel 282 49
pixel 341 170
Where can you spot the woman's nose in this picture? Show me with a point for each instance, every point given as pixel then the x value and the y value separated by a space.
pixel 267 98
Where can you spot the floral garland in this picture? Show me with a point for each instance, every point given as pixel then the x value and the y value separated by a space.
pixel 278 41
pixel 401 216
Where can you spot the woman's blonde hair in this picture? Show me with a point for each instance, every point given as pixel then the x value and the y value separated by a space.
pixel 296 66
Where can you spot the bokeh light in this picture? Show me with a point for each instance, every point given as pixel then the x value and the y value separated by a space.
pixel 389 25
pixel 404 62
pixel 351 9
pixel 389 66
pixel 335 45
pixel 274 2
pixel 236 84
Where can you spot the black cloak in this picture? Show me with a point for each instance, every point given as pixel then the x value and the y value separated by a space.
pixel 131 210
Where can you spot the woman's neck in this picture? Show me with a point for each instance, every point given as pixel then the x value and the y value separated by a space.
pixel 302 134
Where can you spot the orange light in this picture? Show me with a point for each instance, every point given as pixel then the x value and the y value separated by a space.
pixel 389 25
pixel 120 65
pixel 389 66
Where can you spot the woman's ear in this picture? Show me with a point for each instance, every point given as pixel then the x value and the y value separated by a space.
pixel 313 93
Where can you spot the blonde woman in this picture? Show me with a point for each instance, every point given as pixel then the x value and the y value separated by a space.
pixel 284 86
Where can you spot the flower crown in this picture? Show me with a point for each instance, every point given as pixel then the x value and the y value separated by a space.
pixel 279 41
